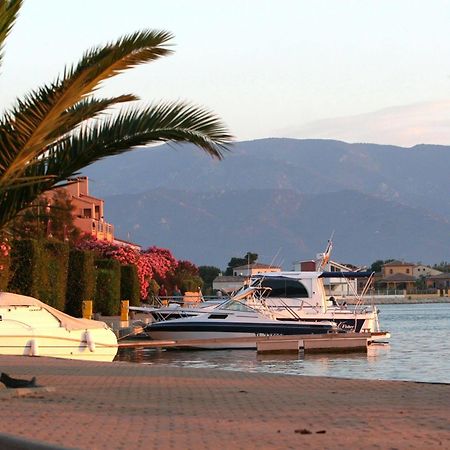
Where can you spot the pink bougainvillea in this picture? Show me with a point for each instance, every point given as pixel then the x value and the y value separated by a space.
pixel 4 248
pixel 151 264
pixel 4 252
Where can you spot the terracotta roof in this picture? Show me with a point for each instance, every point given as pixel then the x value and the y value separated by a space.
pixel 398 263
pixel 398 277
pixel 256 266
pixel 441 276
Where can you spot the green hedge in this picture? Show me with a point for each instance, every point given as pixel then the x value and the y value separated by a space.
pixel 108 264
pixel 107 295
pixel 129 285
pixel 57 257
pixel 80 281
pixel 39 269
pixel 27 269
pixel 107 299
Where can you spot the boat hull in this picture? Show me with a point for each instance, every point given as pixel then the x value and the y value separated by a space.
pixel 204 334
pixel 99 346
pixel 31 328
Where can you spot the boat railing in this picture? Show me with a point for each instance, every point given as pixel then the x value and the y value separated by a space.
pixel 158 301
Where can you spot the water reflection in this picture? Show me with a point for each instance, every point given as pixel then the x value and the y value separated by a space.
pixel 419 350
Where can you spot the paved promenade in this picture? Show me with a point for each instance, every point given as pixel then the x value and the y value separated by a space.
pixel 124 405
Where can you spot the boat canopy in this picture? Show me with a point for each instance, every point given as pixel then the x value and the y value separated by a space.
pixel 287 275
pixel 312 274
pixel 66 321
pixel 366 274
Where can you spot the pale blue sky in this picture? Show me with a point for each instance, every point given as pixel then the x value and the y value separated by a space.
pixel 358 70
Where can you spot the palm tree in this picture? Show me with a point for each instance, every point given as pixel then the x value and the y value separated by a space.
pixel 60 128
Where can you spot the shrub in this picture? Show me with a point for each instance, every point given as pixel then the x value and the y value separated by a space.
pixel 129 285
pixel 80 281
pixel 109 264
pixel 57 258
pixel 27 269
pixel 107 293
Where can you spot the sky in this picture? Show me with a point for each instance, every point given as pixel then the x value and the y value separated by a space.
pixel 356 70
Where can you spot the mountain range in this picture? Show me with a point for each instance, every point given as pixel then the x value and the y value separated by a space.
pixel 281 198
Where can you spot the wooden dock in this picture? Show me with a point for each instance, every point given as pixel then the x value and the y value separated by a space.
pixel 311 343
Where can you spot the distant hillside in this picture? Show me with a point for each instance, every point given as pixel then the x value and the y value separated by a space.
pixel 210 228
pixel 417 176
pixel 282 196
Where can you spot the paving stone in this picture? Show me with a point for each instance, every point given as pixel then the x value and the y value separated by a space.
pixel 125 405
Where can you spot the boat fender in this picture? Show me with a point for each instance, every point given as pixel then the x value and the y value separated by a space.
pixel 90 341
pixel 34 348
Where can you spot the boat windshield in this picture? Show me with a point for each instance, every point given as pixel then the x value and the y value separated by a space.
pixel 284 287
pixel 234 305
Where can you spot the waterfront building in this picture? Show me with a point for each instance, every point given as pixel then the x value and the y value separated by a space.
pixel 420 270
pixel 252 269
pixel 241 274
pixel 88 210
pixel 228 284
pixel 440 281
pixel 397 267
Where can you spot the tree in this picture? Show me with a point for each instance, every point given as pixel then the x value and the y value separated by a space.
pixel 208 274
pixel 186 277
pixel 378 264
pixel 443 266
pixel 248 259
pixel 60 128
pixel 47 218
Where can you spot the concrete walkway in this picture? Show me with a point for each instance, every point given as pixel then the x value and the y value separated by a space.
pixel 123 405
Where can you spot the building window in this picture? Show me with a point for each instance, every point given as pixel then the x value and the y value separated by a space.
pixel 407 270
pixel 391 271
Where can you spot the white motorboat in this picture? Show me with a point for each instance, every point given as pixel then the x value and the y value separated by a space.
pixel 301 296
pixel 229 320
pixel 290 296
pixel 30 327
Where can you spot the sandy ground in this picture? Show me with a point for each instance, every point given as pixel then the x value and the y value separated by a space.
pixel 92 405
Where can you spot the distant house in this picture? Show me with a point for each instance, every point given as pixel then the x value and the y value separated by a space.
pixel 404 275
pixel 122 243
pixel 398 281
pixel 397 267
pixel 440 281
pixel 228 284
pixel 253 269
pixel 240 275
pixel 424 271
pixel 398 275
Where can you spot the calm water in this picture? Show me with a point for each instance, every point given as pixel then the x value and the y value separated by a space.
pixel 419 350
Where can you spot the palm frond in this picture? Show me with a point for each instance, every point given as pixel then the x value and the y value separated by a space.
pixel 175 121
pixel 55 131
pixel 9 10
pixel 45 107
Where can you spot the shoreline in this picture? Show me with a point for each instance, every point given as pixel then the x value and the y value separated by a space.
pixel 127 405
pixel 397 300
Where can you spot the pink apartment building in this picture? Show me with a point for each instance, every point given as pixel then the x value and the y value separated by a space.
pixel 89 210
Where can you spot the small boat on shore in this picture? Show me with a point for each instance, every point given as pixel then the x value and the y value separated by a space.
pixel 32 328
